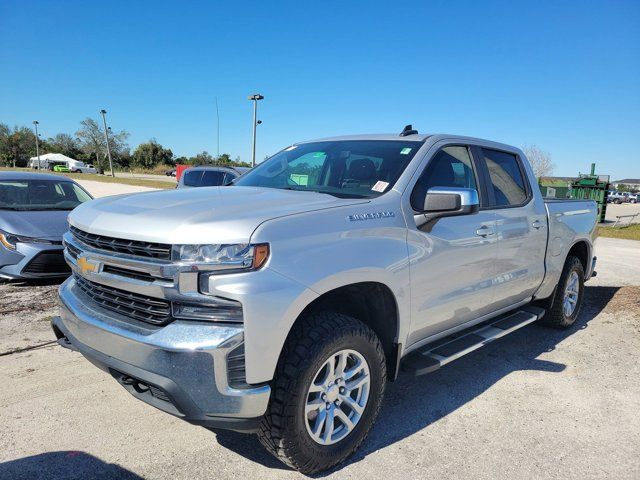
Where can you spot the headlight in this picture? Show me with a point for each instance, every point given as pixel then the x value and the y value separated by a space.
pixel 224 257
pixel 10 240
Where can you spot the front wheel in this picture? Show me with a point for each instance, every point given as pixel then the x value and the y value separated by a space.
pixel 326 394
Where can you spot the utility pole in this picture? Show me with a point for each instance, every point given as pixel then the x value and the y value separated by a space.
pixel 255 99
pixel 218 129
pixel 106 137
pixel 35 124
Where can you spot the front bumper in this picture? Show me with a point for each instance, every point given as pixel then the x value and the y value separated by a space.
pixel 19 263
pixel 180 368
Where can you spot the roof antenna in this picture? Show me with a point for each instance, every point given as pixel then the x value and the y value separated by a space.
pixel 408 130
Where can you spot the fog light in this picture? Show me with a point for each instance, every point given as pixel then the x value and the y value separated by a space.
pixel 223 310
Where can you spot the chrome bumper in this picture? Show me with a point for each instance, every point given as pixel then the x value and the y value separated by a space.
pixel 180 368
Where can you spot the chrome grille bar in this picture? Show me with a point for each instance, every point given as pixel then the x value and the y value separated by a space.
pixel 140 307
pixel 132 247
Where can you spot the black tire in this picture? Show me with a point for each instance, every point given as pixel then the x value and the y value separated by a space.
pixel 555 316
pixel 311 343
pixel 78 171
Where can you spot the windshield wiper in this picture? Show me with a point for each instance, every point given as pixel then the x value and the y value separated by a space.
pixel 333 194
pixel 54 208
pixel 8 207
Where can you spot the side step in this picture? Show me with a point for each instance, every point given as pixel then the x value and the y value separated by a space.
pixel 431 358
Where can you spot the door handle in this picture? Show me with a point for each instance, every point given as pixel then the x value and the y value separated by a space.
pixel 537 224
pixel 485 231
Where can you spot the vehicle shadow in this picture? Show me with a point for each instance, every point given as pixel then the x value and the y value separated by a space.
pixel 68 465
pixel 36 282
pixel 434 396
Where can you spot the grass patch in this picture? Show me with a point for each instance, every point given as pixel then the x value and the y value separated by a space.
pixel 138 182
pixel 628 232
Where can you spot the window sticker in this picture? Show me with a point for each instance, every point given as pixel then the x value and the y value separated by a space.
pixel 380 186
pixel 405 151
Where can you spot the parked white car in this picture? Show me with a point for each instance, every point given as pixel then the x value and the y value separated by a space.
pixel 81 167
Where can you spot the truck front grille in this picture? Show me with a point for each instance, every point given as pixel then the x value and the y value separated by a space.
pixel 141 307
pixel 138 248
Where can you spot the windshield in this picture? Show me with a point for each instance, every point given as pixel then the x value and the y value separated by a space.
pixel 347 168
pixel 40 195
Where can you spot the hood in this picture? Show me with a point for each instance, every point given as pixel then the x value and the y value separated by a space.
pixel 49 224
pixel 196 215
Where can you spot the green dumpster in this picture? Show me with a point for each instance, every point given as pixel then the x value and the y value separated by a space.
pixel 592 187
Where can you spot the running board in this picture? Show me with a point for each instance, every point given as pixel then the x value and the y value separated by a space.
pixel 430 358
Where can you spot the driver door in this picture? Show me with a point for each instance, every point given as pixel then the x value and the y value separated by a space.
pixel 452 259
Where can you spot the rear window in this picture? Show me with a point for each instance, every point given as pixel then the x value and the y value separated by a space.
pixel 203 178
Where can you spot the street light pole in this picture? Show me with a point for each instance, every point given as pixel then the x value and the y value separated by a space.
pixel 35 124
pixel 255 99
pixel 106 137
pixel 218 130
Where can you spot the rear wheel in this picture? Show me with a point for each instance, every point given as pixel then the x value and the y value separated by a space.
pixel 568 297
pixel 326 393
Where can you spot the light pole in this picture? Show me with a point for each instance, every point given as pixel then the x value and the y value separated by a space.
pixel 35 124
pixel 255 99
pixel 106 137
pixel 218 130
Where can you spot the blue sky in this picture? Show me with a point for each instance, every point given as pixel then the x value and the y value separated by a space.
pixel 562 75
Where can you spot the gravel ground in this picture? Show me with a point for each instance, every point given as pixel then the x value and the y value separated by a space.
pixel 539 403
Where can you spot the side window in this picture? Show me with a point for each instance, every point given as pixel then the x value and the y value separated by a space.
pixel 450 167
pixel 506 177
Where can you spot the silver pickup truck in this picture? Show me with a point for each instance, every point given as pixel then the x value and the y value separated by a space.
pixel 283 304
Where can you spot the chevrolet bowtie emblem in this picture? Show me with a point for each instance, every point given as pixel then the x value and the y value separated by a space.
pixel 87 266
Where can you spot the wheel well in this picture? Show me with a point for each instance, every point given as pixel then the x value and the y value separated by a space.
pixel 374 305
pixel 581 250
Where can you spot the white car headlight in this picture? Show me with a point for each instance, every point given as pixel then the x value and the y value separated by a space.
pixel 240 256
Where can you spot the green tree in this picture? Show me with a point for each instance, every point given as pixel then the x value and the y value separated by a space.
pixel 202 158
pixel 93 144
pixel 65 144
pixel 150 154
pixel 17 145
pixel 92 141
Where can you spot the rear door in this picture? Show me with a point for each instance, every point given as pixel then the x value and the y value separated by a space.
pixel 521 226
pixel 452 259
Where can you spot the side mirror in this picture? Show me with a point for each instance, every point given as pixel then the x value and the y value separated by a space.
pixel 447 202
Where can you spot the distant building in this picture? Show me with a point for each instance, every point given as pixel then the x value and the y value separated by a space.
pixel 630 182
pixel 555 187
